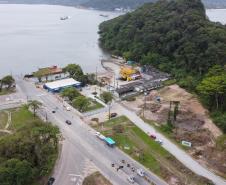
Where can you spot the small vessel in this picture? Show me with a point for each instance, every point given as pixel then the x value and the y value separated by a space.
pixel 64 18
pixel 102 15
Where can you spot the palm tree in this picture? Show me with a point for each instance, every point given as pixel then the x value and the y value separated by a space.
pixel 34 105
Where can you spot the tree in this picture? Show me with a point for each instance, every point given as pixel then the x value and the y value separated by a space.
pixel 81 103
pixel 75 71
pixel 71 93
pixel 107 97
pixel 34 105
pixel 213 86
pixel 43 72
pixel 16 172
pixel 8 81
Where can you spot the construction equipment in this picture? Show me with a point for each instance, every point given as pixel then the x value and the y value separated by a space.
pixel 129 73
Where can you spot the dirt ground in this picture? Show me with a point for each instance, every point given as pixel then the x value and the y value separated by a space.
pixel 96 179
pixel 192 124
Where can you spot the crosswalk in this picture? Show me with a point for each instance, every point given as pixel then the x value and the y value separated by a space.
pixel 88 169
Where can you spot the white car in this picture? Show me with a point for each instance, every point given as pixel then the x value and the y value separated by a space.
pixel 68 108
pixel 159 141
pixel 131 179
pixel 140 172
pixel 99 135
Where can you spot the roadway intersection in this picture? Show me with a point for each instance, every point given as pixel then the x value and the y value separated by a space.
pixel 82 145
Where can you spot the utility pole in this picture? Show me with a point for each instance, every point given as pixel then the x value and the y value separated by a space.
pixel 144 107
pixel 109 110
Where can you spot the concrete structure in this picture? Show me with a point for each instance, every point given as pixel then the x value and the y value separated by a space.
pixel 59 85
pixel 49 73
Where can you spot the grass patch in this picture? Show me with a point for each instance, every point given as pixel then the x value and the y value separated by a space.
pixel 3 119
pixel 136 143
pixel 6 91
pixel 169 82
pixel 167 131
pixel 20 118
pixel 94 105
pixel 96 179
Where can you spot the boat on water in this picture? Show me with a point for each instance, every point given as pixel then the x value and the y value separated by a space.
pixel 103 15
pixel 64 18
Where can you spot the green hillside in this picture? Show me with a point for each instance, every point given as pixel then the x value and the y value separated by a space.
pixel 176 37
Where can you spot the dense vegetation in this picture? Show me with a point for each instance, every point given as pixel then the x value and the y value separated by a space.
pixel 7 84
pixel 176 37
pixel 29 153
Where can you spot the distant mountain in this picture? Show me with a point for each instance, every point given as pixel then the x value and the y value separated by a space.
pixel 214 3
pixel 109 4
pixel 54 2
pixel 116 4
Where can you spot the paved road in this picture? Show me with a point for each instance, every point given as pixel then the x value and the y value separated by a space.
pixel 81 146
pixel 182 156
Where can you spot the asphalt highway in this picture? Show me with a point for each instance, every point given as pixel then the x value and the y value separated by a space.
pixel 82 147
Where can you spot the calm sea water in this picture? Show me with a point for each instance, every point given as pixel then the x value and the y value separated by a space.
pixel 33 36
pixel 217 15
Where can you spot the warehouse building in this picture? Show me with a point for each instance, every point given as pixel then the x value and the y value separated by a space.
pixel 59 85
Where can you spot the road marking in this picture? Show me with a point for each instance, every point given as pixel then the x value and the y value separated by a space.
pixel 39 95
pixel 74 175
pixel 73 179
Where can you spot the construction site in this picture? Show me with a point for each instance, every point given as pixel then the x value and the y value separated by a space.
pixel 126 79
pixel 154 102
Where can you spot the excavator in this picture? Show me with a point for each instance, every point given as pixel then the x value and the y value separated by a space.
pixel 129 73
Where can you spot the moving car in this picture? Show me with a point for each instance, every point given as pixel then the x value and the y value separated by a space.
pixel 68 122
pixel 100 136
pixel 140 172
pixel 51 181
pixel 53 111
pixel 159 141
pixel 153 136
pixel 131 179
pixel 113 115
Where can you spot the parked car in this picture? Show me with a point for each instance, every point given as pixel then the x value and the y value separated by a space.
pixel 68 108
pixel 113 115
pixel 51 181
pixel 53 111
pixel 140 172
pixel 68 122
pixel 159 141
pixel 131 179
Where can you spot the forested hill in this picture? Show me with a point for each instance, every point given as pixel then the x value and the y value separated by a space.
pixel 175 36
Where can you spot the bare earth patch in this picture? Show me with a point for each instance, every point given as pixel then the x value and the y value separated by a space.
pixel 193 124
pixel 96 179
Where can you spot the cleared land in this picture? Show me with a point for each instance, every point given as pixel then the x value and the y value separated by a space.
pixel 192 124
pixel 96 179
pixel 3 119
pixel 142 148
